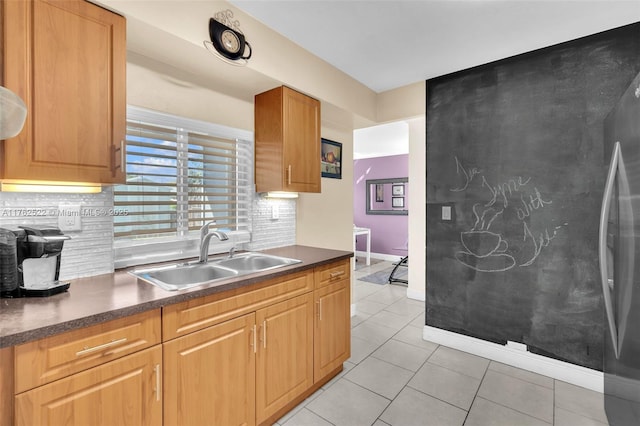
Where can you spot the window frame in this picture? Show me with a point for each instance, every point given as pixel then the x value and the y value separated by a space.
pixel 185 244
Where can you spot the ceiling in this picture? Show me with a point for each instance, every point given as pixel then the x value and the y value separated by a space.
pixel 381 141
pixel 392 43
pixel 384 44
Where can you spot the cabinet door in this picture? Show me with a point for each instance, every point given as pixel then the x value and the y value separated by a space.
pixel 332 345
pixel 301 127
pixel 210 375
pixel 284 368
pixel 67 61
pixel 126 391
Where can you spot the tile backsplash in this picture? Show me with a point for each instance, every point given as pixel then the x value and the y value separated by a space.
pixel 267 231
pixel 90 251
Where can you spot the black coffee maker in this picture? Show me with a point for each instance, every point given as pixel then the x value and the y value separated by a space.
pixel 30 261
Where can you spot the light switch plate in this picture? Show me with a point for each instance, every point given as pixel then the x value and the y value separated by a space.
pixel 446 212
pixel 69 218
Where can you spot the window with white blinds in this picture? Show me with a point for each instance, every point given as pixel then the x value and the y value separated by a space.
pixel 181 174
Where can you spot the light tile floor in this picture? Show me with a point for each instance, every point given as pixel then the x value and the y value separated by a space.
pixel 394 377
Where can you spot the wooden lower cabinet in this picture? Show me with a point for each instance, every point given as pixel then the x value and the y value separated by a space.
pixel 284 368
pixel 286 341
pixel 43 361
pixel 210 375
pixel 126 391
pixel 242 371
pixel 332 340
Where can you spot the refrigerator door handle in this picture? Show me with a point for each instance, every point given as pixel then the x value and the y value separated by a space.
pixel 608 284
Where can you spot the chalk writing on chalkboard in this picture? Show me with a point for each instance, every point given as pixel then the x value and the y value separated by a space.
pixel 486 249
pixel 468 176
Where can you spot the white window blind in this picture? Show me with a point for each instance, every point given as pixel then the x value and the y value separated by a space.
pixel 181 174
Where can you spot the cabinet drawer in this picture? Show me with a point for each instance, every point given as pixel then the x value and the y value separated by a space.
pixel 331 273
pixel 193 315
pixel 52 358
pixel 124 392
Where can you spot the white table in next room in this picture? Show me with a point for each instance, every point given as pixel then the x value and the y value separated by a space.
pixel 362 231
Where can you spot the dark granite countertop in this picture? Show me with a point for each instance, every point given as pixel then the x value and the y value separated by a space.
pixel 105 297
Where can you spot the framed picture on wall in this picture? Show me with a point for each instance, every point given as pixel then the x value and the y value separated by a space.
pixel 379 193
pixel 331 159
pixel 397 202
pixel 379 197
pixel 397 190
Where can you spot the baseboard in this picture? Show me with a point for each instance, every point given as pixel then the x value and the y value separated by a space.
pixel 570 373
pixel 381 256
pixel 416 295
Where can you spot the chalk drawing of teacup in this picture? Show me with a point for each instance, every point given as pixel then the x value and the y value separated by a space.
pixel 483 243
pixel 498 262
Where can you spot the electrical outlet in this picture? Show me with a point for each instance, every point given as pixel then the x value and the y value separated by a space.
pixel 69 218
pixel 275 212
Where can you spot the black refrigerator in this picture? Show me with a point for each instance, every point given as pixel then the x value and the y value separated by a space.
pixel 619 254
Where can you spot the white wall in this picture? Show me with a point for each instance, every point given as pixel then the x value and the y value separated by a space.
pixel 326 219
pixel 417 209
pixel 160 87
pixel 402 103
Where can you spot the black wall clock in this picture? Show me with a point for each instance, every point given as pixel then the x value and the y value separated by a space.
pixel 228 42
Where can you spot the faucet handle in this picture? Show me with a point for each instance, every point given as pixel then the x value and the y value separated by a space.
pixel 204 230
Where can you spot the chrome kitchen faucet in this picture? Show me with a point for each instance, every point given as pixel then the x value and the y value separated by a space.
pixel 205 236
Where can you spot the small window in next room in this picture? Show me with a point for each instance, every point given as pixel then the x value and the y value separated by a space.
pixel 181 174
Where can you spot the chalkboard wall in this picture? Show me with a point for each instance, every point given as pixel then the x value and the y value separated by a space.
pixel 516 147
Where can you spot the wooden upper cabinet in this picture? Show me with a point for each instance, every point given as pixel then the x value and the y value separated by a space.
pixel 287 140
pixel 67 61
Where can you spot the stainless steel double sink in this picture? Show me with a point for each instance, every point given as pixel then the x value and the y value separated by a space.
pixel 186 275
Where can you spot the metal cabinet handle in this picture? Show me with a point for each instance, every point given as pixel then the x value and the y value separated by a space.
pixel 336 274
pixel 320 309
pixel 254 343
pixel 123 159
pixel 264 334
pixel 156 370
pixel 87 350
pixel 602 244
pixel 122 165
pixel 289 175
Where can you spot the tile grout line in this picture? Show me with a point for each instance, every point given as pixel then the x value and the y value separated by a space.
pixel 530 383
pixel 412 376
pixel 476 394
pixel 476 397
pixel 553 416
